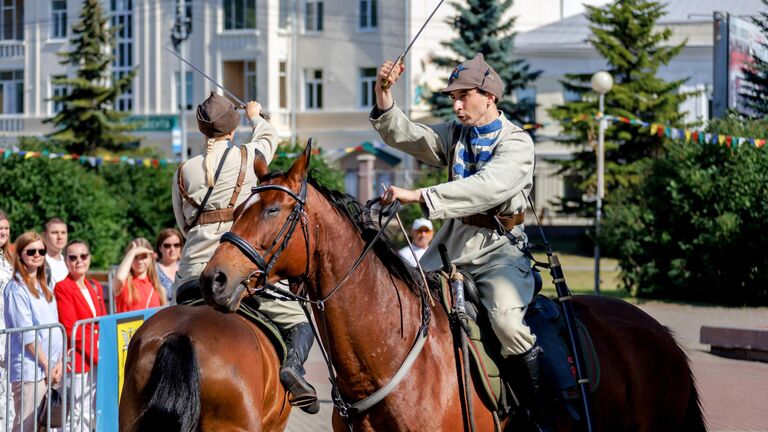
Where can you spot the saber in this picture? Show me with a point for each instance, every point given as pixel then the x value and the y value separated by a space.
pixel 400 60
pixel 229 93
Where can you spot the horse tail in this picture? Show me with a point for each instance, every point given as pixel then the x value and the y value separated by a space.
pixel 694 417
pixel 172 393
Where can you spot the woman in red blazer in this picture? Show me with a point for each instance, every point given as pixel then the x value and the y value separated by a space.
pixel 77 299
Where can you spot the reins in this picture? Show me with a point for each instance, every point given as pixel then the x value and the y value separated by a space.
pixel 298 214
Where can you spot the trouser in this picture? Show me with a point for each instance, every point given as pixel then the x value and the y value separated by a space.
pixel 81 395
pixel 506 289
pixel 6 397
pixel 285 314
pixel 26 409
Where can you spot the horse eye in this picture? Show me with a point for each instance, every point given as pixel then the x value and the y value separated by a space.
pixel 272 210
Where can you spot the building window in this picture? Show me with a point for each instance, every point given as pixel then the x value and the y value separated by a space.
pixel 250 80
pixel 284 13
pixel 239 14
pixel 313 96
pixel 313 16
pixel 526 99
pixel 12 20
pixel 12 92
pixel 367 87
pixel 122 64
pixel 368 14
pixel 57 90
pixel 188 76
pixel 283 78
pixel 58 19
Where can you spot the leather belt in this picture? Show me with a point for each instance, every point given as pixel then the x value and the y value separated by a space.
pixel 213 216
pixel 487 221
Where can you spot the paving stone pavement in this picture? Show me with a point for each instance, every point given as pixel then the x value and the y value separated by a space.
pixel 734 393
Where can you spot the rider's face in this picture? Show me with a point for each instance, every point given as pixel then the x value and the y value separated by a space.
pixel 473 108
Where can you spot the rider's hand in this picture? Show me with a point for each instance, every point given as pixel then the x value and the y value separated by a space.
pixel 405 196
pixel 384 98
pixel 252 110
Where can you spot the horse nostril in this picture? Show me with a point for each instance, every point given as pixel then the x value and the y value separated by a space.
pixel 219 282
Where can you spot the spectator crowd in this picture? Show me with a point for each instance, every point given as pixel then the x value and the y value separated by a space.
pixel 44 280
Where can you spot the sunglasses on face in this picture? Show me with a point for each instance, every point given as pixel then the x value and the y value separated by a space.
pixel 33 252
pixel 73 258
pixel 171 245
pixel 423 231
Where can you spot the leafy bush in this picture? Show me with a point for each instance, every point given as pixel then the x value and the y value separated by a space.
pixel 37 189
pixel 694 229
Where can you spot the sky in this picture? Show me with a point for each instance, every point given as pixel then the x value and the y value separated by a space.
pixel 573 7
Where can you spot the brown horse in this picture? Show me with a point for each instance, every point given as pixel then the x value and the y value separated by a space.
pixel 369 322
pixel 190 368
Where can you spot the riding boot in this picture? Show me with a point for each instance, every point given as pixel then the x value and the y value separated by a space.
pixel 532 392
pixel 298 340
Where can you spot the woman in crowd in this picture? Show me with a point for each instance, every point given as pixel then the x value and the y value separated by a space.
pixel 29 302
pixel 6 273
pixel 78 299
pixel 137 286
pixel 168 246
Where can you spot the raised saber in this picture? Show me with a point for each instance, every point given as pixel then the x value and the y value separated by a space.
pixel 229 93
pixel 400 60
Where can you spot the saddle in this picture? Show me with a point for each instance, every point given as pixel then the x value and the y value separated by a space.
pixel 545 319
pixel 189 294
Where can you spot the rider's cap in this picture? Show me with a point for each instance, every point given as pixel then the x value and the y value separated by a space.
pixel 475 73
pixel 217 116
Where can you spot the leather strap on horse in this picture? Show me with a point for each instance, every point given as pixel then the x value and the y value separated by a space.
pixel 221 215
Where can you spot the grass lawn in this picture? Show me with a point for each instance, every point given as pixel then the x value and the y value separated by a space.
pixel 579 273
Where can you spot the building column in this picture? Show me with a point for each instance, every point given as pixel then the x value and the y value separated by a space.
pixel 365 177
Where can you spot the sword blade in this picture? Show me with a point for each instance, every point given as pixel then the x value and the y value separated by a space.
pixel 229 93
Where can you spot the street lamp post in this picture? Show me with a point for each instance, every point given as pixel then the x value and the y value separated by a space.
pixel 602 82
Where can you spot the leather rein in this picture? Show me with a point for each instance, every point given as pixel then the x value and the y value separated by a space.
pixel 260 277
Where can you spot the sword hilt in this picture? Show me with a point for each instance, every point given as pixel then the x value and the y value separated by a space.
pixel 385 82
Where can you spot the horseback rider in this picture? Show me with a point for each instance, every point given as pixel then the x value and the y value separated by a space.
pixel 490 163
pixel 206 190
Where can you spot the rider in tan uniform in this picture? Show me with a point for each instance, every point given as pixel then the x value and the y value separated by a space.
pixel 490 164
pixel 223 173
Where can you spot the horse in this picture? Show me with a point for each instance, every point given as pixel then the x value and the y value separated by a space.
pixel 191 368
pixel 369 313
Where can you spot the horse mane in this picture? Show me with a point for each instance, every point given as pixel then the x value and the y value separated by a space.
pixel 384 248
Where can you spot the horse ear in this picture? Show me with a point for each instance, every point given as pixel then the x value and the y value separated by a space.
pixel 301 164
pixel 260 166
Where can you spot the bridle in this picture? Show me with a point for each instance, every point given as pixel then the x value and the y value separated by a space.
pixel 261 275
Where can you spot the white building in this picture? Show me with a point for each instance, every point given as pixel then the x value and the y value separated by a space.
pixel 311 63
pixel 561 48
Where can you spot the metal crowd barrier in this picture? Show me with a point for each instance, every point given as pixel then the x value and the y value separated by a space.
pixel 8 422
pixel 83 416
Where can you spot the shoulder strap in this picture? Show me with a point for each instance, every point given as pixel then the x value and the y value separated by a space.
pixel 183 189
pixel 201 208
pixel 452 148
pixel 240 176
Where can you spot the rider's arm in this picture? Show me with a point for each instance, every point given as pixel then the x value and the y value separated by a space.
pixel 264 136
pixel 176 199
pixel 505 175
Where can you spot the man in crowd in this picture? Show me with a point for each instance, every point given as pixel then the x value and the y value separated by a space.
pixel 55 237
pixel 421 235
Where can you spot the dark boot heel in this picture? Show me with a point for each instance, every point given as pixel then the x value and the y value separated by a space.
pixel 298 340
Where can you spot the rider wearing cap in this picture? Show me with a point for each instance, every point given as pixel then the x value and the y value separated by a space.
pixel 203 216
pixel 490 163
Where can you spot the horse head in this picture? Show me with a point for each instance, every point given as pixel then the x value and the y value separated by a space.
pixel 268 241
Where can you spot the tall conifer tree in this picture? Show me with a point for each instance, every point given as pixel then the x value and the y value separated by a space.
pixel 481 28
pixel 625 35
pixel 756 73
pixel 88 119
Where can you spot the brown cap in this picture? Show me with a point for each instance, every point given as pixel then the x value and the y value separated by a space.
pixel 217 116
pixel 475 73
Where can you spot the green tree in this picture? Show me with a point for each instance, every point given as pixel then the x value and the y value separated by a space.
pixel 39 188
pixel 325 173
pixel 694 227
pixel 756 73
pixel 481 28
pixel 625 35
pixel 88 119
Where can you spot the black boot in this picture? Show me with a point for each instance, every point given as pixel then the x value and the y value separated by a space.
pixel 532 393
pixel 298 340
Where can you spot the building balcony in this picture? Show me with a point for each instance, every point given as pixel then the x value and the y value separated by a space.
pixel 11 122
pixel 237 40
pixel 13 50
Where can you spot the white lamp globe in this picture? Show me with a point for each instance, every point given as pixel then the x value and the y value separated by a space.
pixel 602 82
